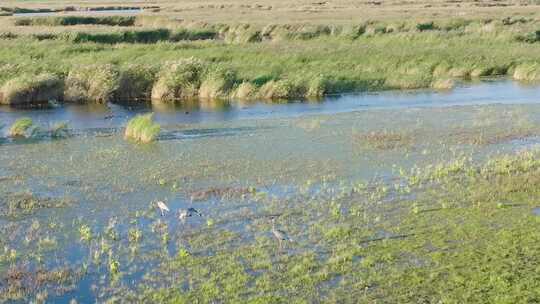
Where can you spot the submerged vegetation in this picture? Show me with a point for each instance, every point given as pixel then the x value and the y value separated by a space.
pixel 142 129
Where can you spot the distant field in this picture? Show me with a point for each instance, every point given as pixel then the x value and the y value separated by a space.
pixel 312 11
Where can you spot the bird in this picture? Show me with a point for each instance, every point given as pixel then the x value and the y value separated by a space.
pixel 185 213
pixel 280 235
pixel 162 207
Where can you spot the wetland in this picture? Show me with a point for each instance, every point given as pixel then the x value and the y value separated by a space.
pixel 273 152
pixel 392 197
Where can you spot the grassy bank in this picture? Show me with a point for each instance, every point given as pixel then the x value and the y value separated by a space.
pixel 111 63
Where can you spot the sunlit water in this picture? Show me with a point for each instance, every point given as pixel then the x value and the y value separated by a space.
pixel 294 158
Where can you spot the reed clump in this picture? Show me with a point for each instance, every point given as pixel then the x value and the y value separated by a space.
pixel 178 80
pixel 21 127
pixel 96 82
pixel 32 89
pixel 142 129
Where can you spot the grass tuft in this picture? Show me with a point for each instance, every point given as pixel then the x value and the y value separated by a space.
pixel 142 129
pixel 21 127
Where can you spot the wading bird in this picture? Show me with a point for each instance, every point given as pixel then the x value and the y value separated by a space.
pixel 279 234
pixel 162 207
pixel 185 213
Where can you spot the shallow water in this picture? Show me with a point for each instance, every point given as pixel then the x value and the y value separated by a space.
pixel 250 162
pixel 85 13
pixel 112 115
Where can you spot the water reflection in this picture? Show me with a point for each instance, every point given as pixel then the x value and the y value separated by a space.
pixel 196 112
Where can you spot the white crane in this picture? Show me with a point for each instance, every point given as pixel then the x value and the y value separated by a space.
pixel 280 235
pixel 162 207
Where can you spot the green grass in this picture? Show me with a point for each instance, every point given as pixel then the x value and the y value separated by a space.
pixel 270 62
pixel 142 129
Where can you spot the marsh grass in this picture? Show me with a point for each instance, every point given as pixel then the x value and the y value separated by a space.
pixel 135 83
pixel 97 82
pixel 178 80
pixel 21 127
pixel 32 89
pixel 142 129
pixel 288 68
pixel 218 82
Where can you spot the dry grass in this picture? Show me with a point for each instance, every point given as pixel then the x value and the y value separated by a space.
pixel 321 12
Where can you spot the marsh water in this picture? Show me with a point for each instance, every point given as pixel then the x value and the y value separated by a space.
pixel 83 203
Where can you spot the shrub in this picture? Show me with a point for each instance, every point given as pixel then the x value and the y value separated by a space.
pixel 92 83
pixel 142 129
pixel 178 80
pixel 31 89
pixel 21 127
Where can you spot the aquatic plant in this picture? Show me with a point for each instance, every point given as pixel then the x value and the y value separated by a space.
pixel 142 129
pixel 21 127
pixel 114 266
pixel 134 235
pixel 85 233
